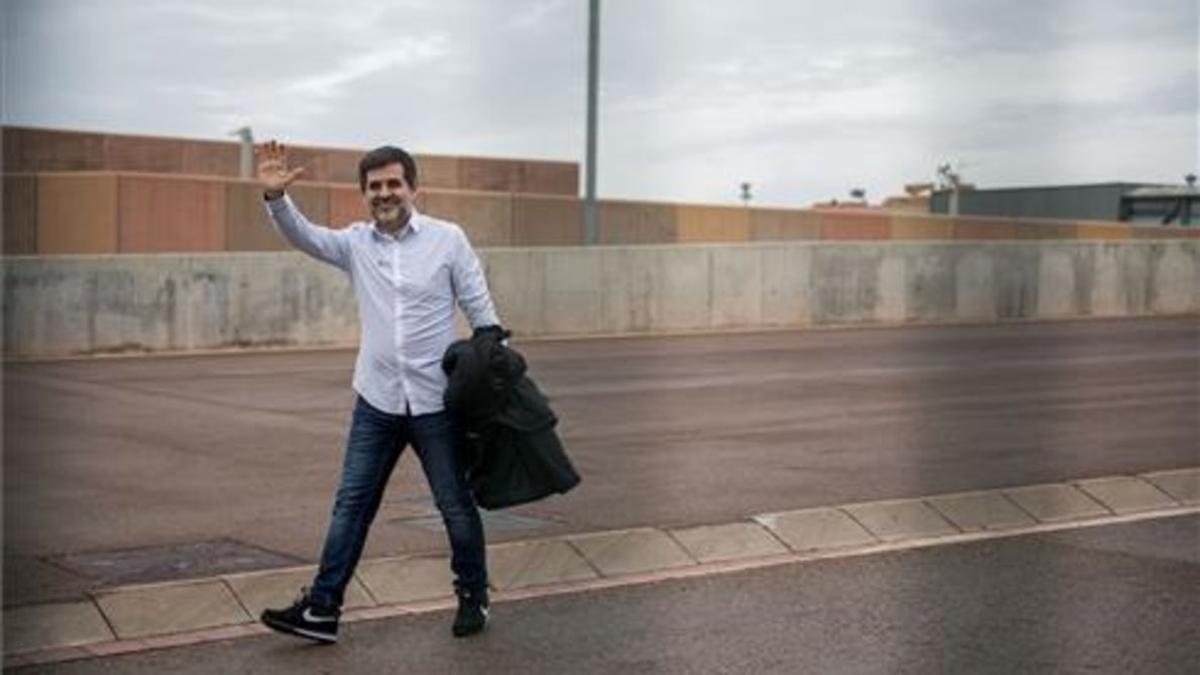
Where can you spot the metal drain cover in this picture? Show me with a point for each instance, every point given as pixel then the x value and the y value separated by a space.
pixel 166 563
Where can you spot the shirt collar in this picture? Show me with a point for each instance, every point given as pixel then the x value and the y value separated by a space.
pixel 414 225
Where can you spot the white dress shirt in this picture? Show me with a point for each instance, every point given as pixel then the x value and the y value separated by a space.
pixel 406 285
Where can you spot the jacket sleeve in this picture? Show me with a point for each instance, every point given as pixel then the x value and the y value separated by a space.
pixel 322 243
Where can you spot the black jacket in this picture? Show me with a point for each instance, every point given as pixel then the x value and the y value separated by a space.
pixel 515 455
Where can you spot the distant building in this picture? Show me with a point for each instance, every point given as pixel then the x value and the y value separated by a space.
pixel 1172 204
pixel 1144 203
pixel 914 200
pixel 842 204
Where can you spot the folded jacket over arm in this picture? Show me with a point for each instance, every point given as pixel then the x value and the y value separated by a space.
pixel 518 455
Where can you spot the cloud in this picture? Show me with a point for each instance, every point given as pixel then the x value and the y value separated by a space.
pixel 535 15
pixel 407 55
pixel 803 99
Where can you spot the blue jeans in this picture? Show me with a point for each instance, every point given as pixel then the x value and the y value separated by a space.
pixel 375 443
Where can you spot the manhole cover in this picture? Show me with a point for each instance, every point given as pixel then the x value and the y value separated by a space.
pixel 166 563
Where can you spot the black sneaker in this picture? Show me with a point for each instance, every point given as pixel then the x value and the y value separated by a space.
pixel 304 620
pixel 472 612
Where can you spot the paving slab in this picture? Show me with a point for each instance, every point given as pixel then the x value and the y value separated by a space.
pixel 396 580
pixel 534 563
pixel 976 511
pixel 1055 503
pixel 896 520
pixel 142 611
pixel 53 625
pixel 816 529
pixel 1182 484
pixel 715 543
pixel 278 588
pixel 631 551
pixel 1126 494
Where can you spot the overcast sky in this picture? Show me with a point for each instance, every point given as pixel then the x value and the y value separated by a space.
pixel 805 100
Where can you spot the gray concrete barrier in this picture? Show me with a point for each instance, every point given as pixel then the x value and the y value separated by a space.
pixel 66 305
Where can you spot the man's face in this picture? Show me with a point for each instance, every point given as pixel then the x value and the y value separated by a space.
pixel 389 196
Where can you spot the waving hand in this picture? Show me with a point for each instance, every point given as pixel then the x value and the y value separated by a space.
pixel 273 172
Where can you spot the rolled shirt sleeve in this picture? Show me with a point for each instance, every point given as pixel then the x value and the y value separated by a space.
pixel 322 243
pixel 470 285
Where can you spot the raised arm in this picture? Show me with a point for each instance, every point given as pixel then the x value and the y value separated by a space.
pixel 322 243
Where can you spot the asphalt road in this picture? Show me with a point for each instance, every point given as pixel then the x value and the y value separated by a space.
pixel 110 454
pixel 1114 599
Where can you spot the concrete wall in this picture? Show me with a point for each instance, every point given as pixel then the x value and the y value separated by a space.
pixel 33 150
pixel 123 212
pixel 20 214
pixel 77 213
pixel 97 304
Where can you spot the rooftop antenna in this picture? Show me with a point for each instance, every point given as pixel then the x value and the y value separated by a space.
pixel 950 179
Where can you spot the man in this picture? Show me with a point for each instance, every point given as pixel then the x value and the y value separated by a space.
pixel 407 270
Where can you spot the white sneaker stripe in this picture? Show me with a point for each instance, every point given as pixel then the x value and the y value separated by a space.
pixel 314 618
pixel 324 637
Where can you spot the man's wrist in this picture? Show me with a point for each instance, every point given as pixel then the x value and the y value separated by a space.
pixel 498 332
pixel 272 195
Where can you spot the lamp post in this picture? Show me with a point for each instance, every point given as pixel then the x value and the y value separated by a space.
pixel 589 200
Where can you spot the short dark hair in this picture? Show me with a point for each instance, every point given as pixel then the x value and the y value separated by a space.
pixel 381 157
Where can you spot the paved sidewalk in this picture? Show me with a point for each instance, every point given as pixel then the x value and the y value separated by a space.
pixel 126 471
pixel 150 616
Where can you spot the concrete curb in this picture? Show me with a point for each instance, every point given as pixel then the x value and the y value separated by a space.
pixel 130 618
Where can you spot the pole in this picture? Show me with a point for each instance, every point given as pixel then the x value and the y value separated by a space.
pixel 589 201
pixel 246 151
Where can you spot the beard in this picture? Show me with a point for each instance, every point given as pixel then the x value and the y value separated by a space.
pixel 389 212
